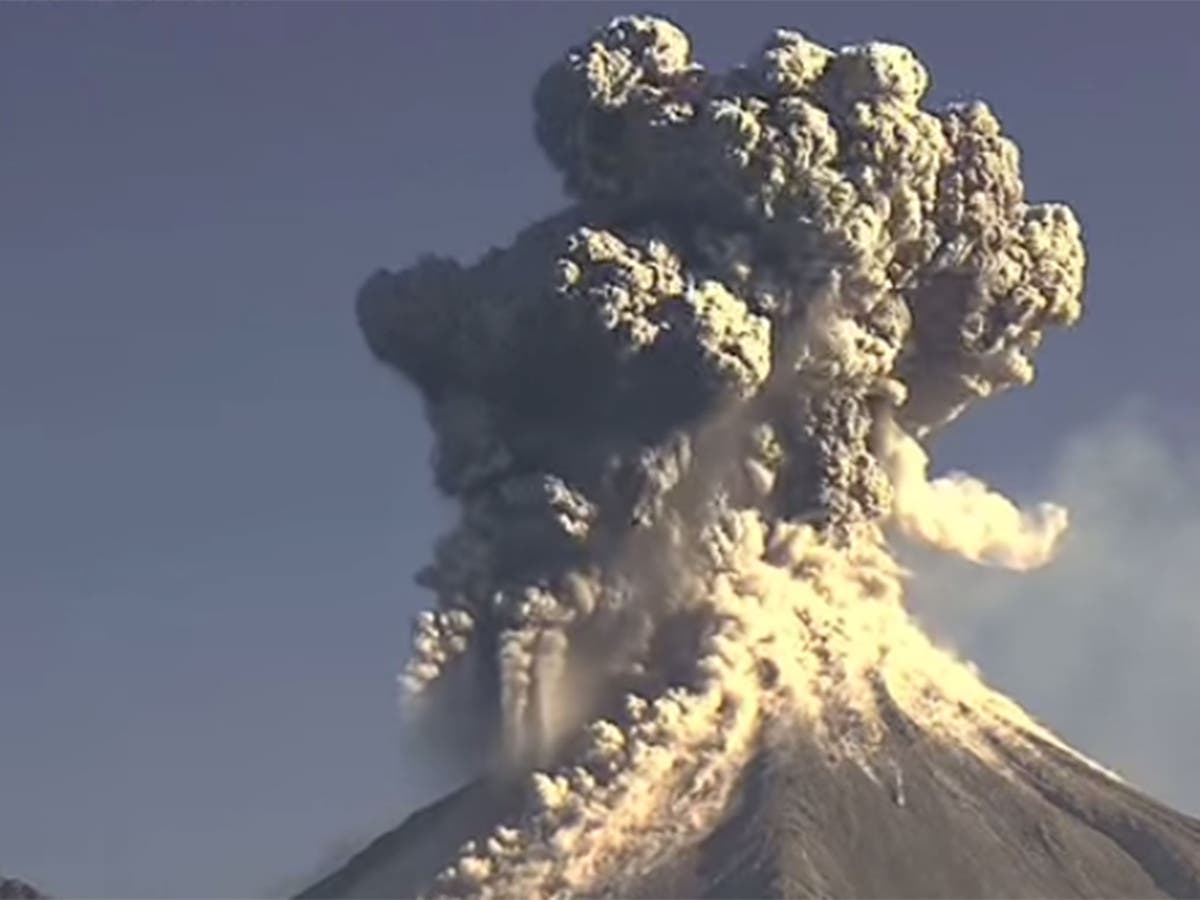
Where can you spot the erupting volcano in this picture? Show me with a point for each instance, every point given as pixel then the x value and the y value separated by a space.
pixel 683 418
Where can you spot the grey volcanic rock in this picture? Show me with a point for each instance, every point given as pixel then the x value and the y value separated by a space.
pixel 401 862
pixel 15 889
pixel 936 821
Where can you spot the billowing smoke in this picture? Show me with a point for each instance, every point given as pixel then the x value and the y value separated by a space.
pixel 962 514
pixel 680 416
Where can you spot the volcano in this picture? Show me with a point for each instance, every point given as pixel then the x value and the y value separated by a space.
pixel 939 823
pixel 684 419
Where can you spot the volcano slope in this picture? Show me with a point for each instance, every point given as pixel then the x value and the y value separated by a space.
pixel 683 418
pixel 798 825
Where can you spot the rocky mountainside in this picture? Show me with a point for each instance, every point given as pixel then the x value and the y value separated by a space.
pixel 935 821
pixel 15 889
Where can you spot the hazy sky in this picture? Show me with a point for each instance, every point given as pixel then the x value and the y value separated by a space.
pixel 212 500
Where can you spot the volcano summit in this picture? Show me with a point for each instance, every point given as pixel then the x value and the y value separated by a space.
pixel 683 418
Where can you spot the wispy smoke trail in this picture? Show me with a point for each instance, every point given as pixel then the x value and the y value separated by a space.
pixel 678 415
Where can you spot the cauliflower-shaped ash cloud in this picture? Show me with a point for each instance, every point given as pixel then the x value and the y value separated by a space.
pixel 758 269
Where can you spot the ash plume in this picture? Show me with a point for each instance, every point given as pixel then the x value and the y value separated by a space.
pixel 682 415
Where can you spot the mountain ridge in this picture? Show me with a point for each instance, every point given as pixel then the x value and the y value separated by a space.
pixel 16 889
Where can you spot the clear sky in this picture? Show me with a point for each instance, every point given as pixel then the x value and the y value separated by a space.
pixel 212 500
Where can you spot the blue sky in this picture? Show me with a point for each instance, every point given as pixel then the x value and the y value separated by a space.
pixel 212 499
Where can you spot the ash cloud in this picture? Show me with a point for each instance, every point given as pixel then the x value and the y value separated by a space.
pixel 679 414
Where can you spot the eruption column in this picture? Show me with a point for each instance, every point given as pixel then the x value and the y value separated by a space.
pixel 680 415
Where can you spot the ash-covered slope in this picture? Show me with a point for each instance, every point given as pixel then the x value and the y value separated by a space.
pixel 936 822
pixel 682 418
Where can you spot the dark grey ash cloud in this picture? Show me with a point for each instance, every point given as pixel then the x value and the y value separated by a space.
pixel 795 249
